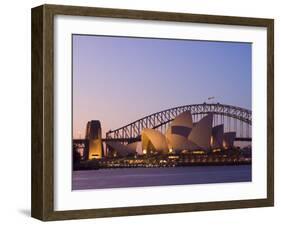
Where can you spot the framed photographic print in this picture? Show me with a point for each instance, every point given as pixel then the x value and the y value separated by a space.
pixel 141 112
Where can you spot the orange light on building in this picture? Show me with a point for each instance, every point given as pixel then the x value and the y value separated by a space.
pixel 224 144
pixel 198 152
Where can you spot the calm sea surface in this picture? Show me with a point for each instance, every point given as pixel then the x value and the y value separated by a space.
pixel 140 177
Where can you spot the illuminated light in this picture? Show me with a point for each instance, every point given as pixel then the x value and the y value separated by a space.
pixel 224 144
pixel 170 150
pixel 217 150
pixel 198 152
pixel 173 157
pixel 184 151
pixel 212 141
pixel 144 151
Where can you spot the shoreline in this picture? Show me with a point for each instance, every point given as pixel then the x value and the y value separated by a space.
pixel 97 166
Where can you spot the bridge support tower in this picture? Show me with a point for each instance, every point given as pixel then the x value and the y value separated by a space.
pixel 94 138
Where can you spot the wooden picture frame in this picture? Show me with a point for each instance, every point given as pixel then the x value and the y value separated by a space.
pixel 42 203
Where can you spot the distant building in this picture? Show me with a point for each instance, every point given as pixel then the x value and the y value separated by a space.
pixel 228 139
pixel 217 136
pixel 94 137
pixel 182 136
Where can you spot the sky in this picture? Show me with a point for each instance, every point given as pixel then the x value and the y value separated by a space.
pixel 118 80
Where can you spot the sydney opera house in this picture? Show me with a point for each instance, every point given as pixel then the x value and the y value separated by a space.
pixel 182 136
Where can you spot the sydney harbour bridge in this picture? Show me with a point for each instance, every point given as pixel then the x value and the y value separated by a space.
pixel 235 119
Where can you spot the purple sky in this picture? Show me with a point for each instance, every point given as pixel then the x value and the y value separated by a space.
pixel 118 80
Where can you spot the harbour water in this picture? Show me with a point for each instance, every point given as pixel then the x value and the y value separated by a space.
pixel 141 177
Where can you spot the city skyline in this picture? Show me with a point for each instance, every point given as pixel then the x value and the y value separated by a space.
pixel 118 80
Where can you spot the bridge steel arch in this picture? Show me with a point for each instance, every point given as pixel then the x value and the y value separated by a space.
pixel 131 132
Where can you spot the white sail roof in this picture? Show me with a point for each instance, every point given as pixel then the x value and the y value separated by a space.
pixel 157 139
pixel 201 132
pixel 121 149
